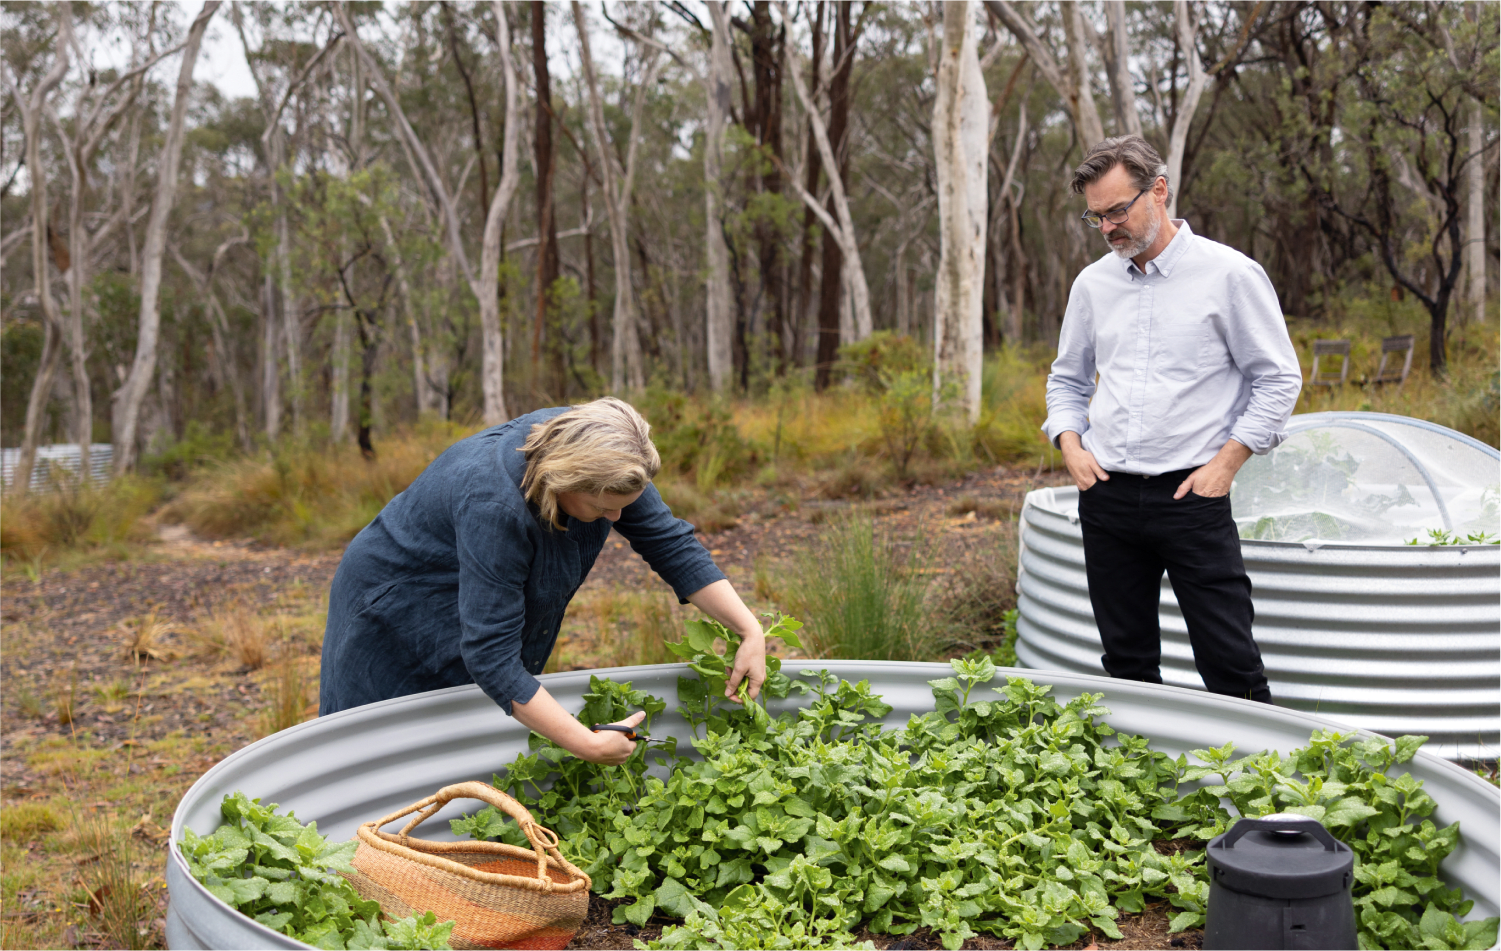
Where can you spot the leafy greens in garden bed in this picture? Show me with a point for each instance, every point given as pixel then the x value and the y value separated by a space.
pixel 284 874
pixel 1011 814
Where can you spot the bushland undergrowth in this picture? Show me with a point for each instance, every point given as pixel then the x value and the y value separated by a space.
pixel 866 435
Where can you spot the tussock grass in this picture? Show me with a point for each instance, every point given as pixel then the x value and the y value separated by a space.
pixel 115 893
pixel 236 631
pixel 26 820
pixel 976 599
pixel 861 590
pixel 290 691
pixel 146 637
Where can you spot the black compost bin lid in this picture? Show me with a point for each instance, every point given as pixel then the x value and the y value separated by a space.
pixel 1280 856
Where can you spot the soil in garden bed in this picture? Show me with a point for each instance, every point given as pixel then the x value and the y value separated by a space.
pixel 1146 930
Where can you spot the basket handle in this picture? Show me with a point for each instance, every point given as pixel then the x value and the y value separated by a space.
pixel 543 840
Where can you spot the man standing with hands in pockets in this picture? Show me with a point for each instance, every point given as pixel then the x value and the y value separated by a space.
pixel 1196 373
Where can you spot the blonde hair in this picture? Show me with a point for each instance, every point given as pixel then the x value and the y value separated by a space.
pixel 598 447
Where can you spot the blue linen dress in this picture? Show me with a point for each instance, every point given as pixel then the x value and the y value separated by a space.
pixel 458 581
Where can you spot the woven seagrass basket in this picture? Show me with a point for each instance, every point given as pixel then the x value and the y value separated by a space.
pixel 498 895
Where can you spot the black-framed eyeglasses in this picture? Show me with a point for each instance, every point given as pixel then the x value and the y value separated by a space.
pixel 1094 218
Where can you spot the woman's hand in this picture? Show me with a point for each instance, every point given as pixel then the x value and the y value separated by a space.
pixel 750 666
pixel 721 603
pixel 546 716
pixel 609 747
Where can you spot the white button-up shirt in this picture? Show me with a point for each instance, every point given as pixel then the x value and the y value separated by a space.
pixel 1190 353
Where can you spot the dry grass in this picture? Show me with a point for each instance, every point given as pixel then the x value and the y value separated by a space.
pixel 309 495
pixel 146 637
pixel 616 627
pixel 76 517
pixel 237 632
pixel 27 820
pixel 65 695
pixel 290 691
pixel 976 599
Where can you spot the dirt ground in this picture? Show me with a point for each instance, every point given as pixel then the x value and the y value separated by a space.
pixel 144 726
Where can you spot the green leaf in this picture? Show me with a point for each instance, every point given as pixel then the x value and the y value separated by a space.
pixel 638 913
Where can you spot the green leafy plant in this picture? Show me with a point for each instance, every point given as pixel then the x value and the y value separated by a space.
pixel 282 873
pixel 1003 811
pixel 1344 783
pixel 1439 536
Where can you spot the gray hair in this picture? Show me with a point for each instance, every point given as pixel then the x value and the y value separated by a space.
pixel 1134 153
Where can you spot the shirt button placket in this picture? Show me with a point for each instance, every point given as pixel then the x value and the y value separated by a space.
pixel 1140 365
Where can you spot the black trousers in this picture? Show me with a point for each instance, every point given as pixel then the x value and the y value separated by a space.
pixel 1134 530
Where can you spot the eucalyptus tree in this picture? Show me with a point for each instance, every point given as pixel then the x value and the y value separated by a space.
pixel 961 126
pixel 32 105
pixel 626 370
pixel 132 392
pixel 95 107
pixel 839 225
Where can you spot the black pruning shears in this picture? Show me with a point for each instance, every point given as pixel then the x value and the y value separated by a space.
pixel 629 731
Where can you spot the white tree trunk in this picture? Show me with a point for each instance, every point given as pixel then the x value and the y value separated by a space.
pixel 843 229
pixel 291 316
pixel 338 399
pixel 720 320
pixel 78 254
pixel 421 390
pixel 626 370
pixel 270 361
pixel 1091 130
pixel 493 357
pixel 1186 33
pixel 961 125
pixel 1475 217
pixel 1128 122
pixel 31 108
pixel 128 398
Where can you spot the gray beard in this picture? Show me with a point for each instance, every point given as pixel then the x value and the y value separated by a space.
pixel 1138 243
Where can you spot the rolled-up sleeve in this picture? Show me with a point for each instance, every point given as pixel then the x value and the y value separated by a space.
pixel 1259 344
pixel 495 558
pixel 1071 382
pixel 667 544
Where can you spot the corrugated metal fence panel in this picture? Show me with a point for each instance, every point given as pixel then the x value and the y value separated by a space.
pixel 1400 639
pixel 58 463
pixel 364 763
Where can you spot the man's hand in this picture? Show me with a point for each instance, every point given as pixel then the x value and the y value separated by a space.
pixel 750 665
pixel 1080 462
pixel 1212 480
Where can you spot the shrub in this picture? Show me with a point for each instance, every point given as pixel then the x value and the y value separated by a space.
pixel 882 356
pixel 696 438
pixel 77 517
pixel 307 493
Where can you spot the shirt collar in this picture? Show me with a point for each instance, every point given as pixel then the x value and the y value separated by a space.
pixel 1170 255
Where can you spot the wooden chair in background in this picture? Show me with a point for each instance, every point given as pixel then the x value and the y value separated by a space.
pixel 1330 348
pixel 1390 346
